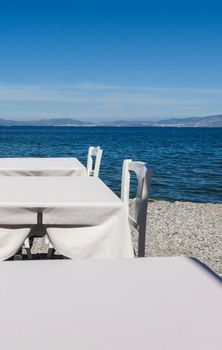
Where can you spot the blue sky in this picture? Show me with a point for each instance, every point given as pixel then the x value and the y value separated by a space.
pixel 97 60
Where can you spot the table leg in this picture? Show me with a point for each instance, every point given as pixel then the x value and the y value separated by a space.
pixel 39 218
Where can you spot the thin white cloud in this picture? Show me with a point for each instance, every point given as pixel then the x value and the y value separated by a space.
pixel 89 100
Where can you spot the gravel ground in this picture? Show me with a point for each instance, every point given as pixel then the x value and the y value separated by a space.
pixel 186 228
pixel 180 228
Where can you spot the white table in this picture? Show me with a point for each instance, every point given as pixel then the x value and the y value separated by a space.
pixel 41 167
pixel 153 303
pixel 93 219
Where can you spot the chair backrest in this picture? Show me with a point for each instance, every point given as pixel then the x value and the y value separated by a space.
pixel 94 160
pixel 138 220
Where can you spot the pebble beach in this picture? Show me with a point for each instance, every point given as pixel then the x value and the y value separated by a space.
pixel 187 229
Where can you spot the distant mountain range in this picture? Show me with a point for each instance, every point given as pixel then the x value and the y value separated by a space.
pixel 212 121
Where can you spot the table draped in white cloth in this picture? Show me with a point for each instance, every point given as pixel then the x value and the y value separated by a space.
pixel 127 304
pixel 41 167
pixel 84 218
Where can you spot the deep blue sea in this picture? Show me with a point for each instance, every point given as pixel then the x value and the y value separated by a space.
pixel 186 162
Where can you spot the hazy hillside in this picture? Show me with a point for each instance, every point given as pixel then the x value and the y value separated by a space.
pixel 213 121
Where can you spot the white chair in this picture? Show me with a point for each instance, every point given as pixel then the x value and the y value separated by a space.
pixel 138 220
pixel 94 160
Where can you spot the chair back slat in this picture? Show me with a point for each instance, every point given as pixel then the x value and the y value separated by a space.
pixel 93 161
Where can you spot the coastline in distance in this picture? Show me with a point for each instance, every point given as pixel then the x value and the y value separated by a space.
pixel 212 121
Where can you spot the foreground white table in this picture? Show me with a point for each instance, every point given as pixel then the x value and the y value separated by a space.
pixel 97 219
pixel 41 167
pixel 153 303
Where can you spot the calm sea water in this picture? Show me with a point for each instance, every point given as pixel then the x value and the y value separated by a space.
pixel 186 163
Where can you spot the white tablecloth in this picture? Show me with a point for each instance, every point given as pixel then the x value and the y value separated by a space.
pixel 97 218
pixel 41 167
pixel 126 304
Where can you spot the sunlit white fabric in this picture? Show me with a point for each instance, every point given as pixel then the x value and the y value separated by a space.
pixel 41 167
pixel 11 240
pixel 91 220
